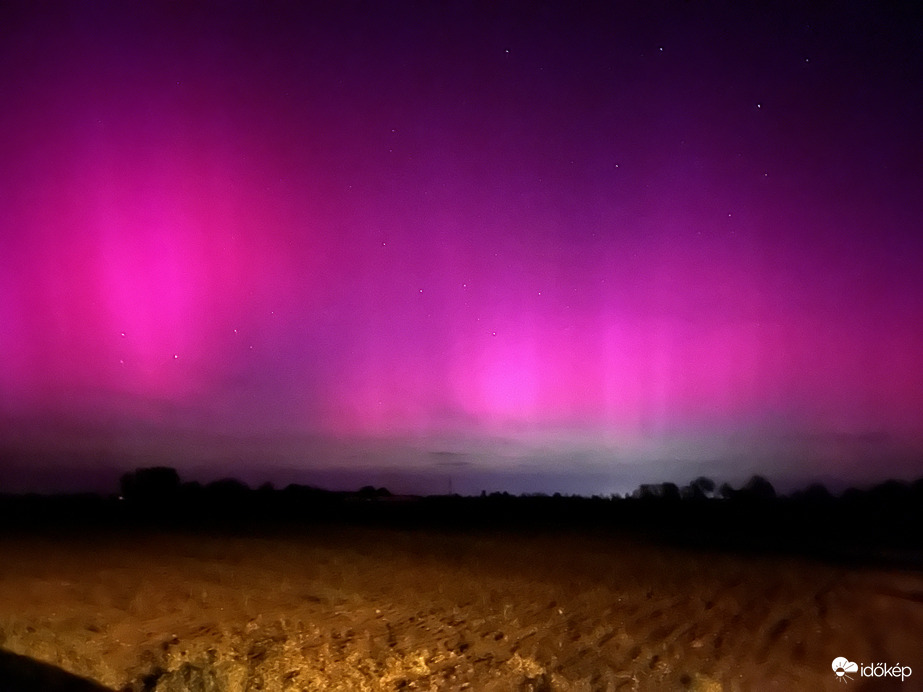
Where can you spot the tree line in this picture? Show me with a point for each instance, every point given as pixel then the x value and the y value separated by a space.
pixel 879 522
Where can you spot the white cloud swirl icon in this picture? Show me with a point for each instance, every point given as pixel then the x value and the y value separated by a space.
pixel 842 666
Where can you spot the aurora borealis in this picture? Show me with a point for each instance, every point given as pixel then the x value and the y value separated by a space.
pixel 531 248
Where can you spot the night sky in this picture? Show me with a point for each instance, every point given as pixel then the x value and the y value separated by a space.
pixel 448 246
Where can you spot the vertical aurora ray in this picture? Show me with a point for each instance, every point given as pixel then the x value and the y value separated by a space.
pixel 655 245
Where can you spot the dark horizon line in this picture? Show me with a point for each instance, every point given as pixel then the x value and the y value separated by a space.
pixel 656 490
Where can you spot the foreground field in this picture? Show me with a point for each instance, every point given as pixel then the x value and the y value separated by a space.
pixel 364 609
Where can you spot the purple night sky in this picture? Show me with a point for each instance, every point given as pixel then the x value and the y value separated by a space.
pixel 432 245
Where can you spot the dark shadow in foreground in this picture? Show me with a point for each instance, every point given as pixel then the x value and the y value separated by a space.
pixel 24 674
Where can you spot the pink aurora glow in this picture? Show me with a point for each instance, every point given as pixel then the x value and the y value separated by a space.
pixel 244 231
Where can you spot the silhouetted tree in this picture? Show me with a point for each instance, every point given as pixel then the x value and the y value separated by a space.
pixel 916 488
pixel 758 488
pixel 657 491
pixel 154 484
pixel 227 490
pixel 814 494
pixel 191 493
pixel 370 492
pixel 669 491
pixel 890 492
pixel 726 491
pixel 891 501
pixel 705 485
pixel 701 488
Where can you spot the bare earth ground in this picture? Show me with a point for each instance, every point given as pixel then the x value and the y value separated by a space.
pixel 365 609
